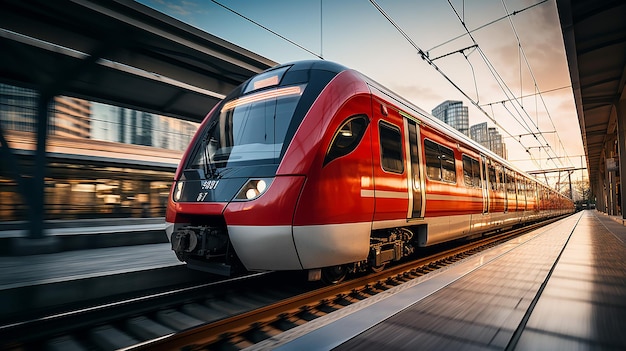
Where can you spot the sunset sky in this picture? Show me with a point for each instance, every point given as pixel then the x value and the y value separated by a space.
pixel 355 33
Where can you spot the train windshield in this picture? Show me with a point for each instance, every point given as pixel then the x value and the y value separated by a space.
pixel 249 130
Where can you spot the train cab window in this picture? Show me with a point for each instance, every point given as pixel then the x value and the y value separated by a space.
pixel 391 148
pixel 439 162
pixel 347 137
pixel 471 171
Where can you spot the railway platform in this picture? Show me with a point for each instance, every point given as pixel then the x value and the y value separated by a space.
pixel 96 259
pixel 561 287
pixel 81 234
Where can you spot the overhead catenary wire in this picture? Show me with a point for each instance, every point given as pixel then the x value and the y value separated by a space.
pixel 527 95
pixel 521 112
pixel 486 25
pixel 425 57
pixel 536 86
pixel 521 109
pixel 267 29
pixel 490 66
pixel 507 90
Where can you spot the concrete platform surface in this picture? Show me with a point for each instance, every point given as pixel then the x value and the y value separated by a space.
pixel 561 287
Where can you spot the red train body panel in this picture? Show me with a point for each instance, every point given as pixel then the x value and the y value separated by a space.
pixel 311 165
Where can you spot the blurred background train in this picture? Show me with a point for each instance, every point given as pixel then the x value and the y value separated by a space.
pixel 313 166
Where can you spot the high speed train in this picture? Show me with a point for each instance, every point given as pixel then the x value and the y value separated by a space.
pixel 313 166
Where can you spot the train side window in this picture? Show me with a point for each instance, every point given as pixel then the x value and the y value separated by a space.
pixel 391 148
pixel 512 186
pixel 510 181
pixel 448 169
pixel 433 165
pixel 347 137
pixel 439 162
pixel 467 170
pixel 529 189
pixel 503 184
pixel 471 171
pixel 492 176
pixel 476 173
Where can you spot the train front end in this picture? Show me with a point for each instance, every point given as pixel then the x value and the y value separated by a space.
pixel 228 209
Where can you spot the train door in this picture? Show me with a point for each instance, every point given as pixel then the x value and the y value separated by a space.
pixel 504 187
pixel 390 167
pixel 485 183
pixel 415 183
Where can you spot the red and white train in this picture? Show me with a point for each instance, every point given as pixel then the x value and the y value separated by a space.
pixel 313 166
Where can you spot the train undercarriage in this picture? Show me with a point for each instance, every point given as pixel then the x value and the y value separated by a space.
pixel 208 249
pixel 386 246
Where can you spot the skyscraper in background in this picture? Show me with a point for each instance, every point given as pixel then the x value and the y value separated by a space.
pixel 480 134
pixel 488 137
pixel 68 117
pixel 122 125
pixel 454 114
pixel 71 117
pixel 495 142
pixel 18 108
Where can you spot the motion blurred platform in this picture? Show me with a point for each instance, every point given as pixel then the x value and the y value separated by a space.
pixel 97 258
pixel 561 287
pixel 83 234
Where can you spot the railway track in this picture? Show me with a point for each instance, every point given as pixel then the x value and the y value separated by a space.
pixel 232 314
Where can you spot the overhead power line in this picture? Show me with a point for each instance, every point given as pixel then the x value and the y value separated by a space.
pixel 485 25
pixel 521 112
pixel 527 96
pixel 535 84
pixel 425 57
pixel 267 29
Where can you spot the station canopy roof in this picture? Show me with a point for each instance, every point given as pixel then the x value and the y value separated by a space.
pixel 594 33
pixel 119 52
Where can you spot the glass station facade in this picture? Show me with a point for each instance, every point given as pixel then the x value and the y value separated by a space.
pixel 103 161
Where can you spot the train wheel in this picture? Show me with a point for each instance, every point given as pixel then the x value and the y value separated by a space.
pixel 334 274
pixel 377 269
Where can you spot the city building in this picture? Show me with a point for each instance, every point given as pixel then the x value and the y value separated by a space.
pixel 77 118
pixel 488 137
pixel 71 117
pixel 18 108
pixel 98 135
pixel 454 114
pixel 122 125
pixel 496 144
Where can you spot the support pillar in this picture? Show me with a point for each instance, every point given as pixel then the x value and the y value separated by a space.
pixel 36 242
pixel 38 181
pixel 621 150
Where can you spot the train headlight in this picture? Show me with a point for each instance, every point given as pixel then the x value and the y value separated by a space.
pixel 178 190
pixel 253 189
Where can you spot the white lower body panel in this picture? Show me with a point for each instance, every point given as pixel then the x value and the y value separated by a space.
pixel 262 248
pixel 265 248
pixel 332 244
